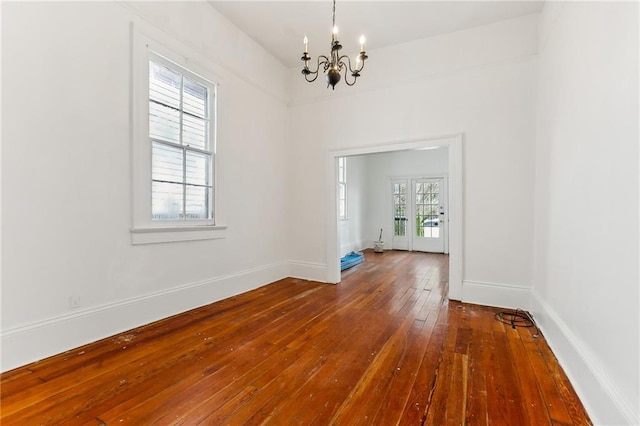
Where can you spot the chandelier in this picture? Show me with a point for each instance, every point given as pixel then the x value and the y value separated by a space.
pixel 335 64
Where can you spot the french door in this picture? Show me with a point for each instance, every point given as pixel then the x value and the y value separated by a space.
pixel 401 193
pixel 419 214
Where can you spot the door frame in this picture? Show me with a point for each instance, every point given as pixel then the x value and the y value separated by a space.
pixel 456 237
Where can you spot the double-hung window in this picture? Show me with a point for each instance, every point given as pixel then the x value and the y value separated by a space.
pixel 174 97
pixel 180 114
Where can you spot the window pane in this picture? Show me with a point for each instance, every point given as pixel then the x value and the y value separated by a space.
pixel 198 168
pixel 427 232
pixel 166 201
pixel 198 200
pixel 179 113
pixel 164 122
pixel 196 99
pixel 400 226
pixel 164 85
pixel 194 132
pixel 166 163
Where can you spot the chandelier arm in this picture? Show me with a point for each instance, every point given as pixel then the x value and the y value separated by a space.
pixel 321 60
pixel 325 62
pixel 361 67
pixel 315 74
pixel 346 78
pixel 348 64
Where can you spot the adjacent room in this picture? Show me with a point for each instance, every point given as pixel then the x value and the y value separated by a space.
pixel 180 180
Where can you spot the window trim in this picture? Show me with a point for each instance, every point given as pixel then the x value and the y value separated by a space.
pixel 144 229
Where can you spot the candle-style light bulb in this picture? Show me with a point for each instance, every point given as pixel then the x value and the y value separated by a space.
pixel 335 30
pixel 362 40
pixel 306 44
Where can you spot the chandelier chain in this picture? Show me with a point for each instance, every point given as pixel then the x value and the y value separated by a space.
pixel 334 15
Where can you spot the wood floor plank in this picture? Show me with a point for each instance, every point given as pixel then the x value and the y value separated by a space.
pixel 573 405
pixel 554 403
pixel 403 381
pixel 362 404
pixel 421 394
pixel 476 409
pixel 536 411
pixel 384 346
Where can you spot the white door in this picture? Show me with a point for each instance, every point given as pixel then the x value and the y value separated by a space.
pixel 427 202
pixel 400 198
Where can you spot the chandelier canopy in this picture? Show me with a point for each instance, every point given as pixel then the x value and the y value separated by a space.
pixel 334 64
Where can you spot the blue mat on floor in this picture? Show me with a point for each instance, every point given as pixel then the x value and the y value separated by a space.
pixel 352 259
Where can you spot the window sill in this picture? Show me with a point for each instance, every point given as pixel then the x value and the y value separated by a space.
pixel 153 235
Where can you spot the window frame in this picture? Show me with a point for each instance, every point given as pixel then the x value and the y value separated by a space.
pixel 209 150
pixel 144 229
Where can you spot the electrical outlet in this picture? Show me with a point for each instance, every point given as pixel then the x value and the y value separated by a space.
pixel 74 302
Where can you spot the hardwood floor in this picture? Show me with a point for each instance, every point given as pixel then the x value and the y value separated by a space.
pixel 384 347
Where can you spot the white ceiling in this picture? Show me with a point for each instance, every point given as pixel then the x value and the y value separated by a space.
pixel 280 26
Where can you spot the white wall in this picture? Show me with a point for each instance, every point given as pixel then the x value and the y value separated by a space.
pixel 66 190
pixel 479 82
pixel 586 289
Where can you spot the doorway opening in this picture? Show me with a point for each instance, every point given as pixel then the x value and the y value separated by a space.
pixel 426 219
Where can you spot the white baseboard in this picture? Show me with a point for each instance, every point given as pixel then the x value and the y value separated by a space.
pixel 602 399
pixel 498 295
pixel 25 344
pixel 308 271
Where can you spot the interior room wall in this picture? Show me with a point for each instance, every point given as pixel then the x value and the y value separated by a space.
pixel 481 83
pixel 66 174
pixel 381 168
pixel 586 276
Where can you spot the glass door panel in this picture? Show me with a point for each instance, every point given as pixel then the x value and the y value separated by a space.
pixel 400 194
pixel 428 210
